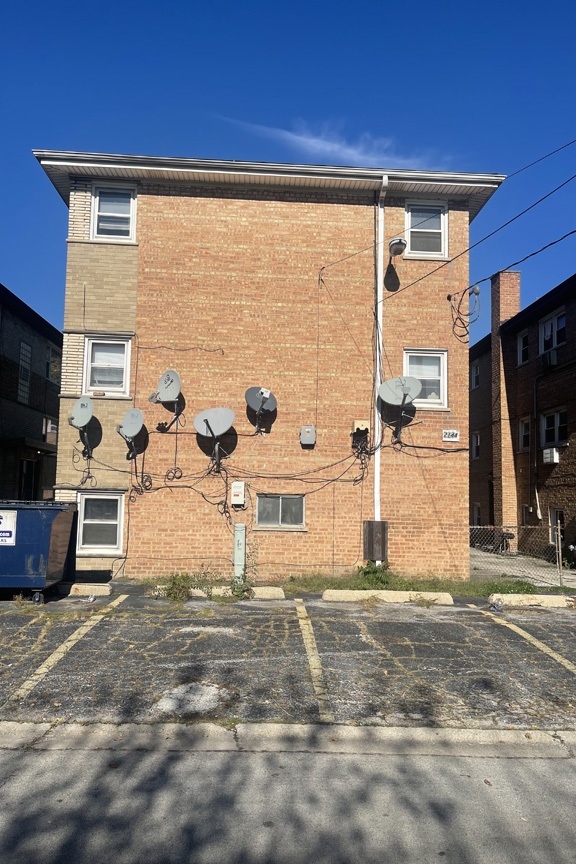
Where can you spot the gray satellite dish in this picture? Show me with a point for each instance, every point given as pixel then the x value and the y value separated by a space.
pixel 214 422
pixel 81 412
pixel 399 391
pixel 169 387
pixel 260 400
pixel 132 423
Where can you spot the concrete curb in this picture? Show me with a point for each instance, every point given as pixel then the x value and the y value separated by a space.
pixel 85 589
pixel 550 601
pixel 264 592
pixel 438 598
pixel 279 738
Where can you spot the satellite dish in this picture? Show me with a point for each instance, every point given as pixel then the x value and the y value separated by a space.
pixel 169 387
pixel 214 422
pixel 81 412
pixel 399 391
pixel 132 423
pixel 260 400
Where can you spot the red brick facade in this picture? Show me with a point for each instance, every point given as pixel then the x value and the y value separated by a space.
pixel 228 294
pixel 528 384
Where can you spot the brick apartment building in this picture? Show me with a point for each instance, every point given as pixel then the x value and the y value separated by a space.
pixel 243 275
pixel 30 360
pixel 523 412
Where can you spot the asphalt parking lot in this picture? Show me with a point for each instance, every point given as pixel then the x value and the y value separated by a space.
pixel 131 658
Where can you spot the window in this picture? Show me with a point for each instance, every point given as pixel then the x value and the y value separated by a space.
pixel 100 523
pixel 524 435
pixel 429 367
pixel 554 429
pixel 522 347
pixel 106 366
pixel 476 515
pixel 281 511
pixel 50 430
pixel 53 365
pixel 556 524
pixel 525 514
pixel 553 331
pixel 24 373
pixel 427 230
pixel 475 376
pixel 113 213
pixel 475 445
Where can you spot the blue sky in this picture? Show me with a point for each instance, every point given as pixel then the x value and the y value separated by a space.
pixel 476 86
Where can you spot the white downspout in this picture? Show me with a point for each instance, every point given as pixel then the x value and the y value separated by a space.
pixel 378 371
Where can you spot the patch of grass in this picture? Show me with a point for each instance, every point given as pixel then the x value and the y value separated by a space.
pixel 371 577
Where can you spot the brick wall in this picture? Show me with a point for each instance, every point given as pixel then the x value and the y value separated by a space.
pixel 227 293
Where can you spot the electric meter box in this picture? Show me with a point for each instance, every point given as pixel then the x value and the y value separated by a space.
pixel 307 436
pixel 238 493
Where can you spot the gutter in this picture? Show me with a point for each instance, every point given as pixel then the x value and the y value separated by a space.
pixel 379 261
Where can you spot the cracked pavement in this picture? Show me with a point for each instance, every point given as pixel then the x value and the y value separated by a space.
pixel 391 665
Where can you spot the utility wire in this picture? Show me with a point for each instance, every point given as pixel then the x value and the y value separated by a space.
pixel 482 239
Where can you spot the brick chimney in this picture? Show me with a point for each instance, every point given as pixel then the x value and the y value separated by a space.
pixel 505 304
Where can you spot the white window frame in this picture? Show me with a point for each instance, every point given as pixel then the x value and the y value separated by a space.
pixel 557 442
pixel 524 421
pixel 475 445
pixel 475 375
pixel 271 526
pixel 98 551
pixel 440 404
pixel 556 522
pixel 49 427
pixel 111 392
pixel 112 187
pixel 551 320
pixel 519 347
pixel 443 253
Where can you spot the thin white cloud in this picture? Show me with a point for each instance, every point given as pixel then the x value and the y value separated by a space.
pixel 330 146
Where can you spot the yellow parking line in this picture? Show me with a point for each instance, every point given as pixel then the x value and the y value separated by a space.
pixel 326 715
pixel 529 638
pixel 57 655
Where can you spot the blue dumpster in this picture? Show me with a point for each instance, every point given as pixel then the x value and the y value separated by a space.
pixel 35 544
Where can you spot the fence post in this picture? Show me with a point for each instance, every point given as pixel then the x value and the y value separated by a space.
pixel 559 553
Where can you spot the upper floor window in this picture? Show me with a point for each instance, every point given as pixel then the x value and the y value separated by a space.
pixel 522 347
pixel 107 366
pixel 24 368
pixel 50 430
pixel 554 429
pixel 426 230
pixel 553 331
pixel 475 445
pixel 430 367
pixel 113 213
pixel 475 376
pixel 53 364
pixel 524 435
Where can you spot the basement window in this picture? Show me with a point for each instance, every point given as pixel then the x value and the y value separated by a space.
pixel 280 511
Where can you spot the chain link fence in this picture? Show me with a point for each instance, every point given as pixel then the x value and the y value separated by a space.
pixel 533 553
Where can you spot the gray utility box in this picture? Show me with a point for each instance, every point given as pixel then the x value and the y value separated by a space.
pixel 375 541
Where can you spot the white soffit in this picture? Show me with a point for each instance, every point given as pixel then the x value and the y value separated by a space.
pixel 60 166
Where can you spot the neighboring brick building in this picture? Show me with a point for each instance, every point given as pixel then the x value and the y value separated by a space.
pixel 248 274
pixel 30 360
pixel 523 411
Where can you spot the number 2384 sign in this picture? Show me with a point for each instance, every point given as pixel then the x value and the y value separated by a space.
pixel 450 435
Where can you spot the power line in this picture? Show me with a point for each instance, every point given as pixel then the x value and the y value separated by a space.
pixel 526 257
pixel 542 158
pixel 482 239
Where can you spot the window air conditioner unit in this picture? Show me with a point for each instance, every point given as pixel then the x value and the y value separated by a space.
pixel 551 456
pixel 549 359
